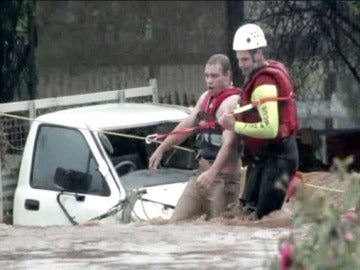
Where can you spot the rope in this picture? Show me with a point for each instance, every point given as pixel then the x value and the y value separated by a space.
pixel 302 179
pixel 103 131
pixel 16 116
pixel 154 137
pixel 324 188
pixel 211 124
pixel 131 198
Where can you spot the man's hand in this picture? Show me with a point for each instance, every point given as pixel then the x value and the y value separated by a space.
pixel 227 121
pixel 205 181
pixel 155 159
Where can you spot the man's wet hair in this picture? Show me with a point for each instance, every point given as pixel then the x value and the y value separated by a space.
pixel 221 59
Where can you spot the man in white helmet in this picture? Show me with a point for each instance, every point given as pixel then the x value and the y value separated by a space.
pixel 269 128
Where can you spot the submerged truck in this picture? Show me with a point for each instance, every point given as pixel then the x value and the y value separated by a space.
pixel 91 163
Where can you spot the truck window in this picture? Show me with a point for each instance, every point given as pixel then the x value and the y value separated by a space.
pixel 138 152
pixel 65 149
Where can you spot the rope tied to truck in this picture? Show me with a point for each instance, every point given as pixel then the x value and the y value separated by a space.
pixel 126 206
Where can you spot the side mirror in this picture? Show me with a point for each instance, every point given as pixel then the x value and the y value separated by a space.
pixel 72 181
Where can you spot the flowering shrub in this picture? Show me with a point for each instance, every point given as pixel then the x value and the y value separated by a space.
pixel 332 240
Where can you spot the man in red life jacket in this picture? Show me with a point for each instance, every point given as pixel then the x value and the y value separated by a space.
pixel 269 130
pixel 216 183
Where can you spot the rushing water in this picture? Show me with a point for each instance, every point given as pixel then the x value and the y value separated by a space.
pixel 224 243
pixel 195 245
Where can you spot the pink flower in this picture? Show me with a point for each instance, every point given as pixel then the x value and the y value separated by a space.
pixel 349 236
pixel 351 215
pixel 286 251
pixel 291 189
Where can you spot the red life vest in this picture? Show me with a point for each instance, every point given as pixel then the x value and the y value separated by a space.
pixel 211 104
pixel 207 140
pixel 288 122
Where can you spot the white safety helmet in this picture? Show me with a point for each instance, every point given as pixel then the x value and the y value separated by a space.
pixel 249 37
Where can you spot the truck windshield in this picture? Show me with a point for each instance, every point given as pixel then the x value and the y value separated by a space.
pixel 132 153
pixel 63 152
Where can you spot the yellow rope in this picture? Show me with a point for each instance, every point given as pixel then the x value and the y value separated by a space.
pixel 302 179
pixel 103 131
pixel 16 116
pixel 325 188
pixel 299 174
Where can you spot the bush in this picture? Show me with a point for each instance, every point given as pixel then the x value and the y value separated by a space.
pixel 332 231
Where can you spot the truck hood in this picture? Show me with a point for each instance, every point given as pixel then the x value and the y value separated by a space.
pixel 166 195
pixel 160 191
pixel 144 179
pixel 157 202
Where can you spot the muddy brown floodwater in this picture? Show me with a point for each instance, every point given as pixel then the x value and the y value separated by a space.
pixel 201 245
pixel 222 243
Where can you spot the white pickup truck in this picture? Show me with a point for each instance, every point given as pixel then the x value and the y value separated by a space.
pixel 90 163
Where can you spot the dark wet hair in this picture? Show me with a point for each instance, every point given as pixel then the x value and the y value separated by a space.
pixel 221 59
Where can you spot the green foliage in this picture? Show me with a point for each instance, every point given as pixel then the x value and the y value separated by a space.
pixel 332 240
pixel 354 7
pixel 319 41
pixel 17 46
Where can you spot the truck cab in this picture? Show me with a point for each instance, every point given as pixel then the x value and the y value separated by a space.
pixel 91 163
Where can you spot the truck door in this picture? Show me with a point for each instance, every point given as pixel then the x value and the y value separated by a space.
pixel 65 185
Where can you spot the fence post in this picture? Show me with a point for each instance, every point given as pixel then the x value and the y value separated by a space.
pixel 153 84
pixel 121 96
pixel 32 110
pixel 1 196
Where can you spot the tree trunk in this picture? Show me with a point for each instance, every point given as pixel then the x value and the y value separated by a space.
pixel 2 49
pixel 235 15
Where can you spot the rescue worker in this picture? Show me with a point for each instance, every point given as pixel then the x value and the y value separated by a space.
pixel 268 130
pixel 216 182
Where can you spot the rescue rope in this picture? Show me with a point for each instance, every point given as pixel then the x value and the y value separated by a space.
pixel 324 188
pixel 89 129
pixel 300 176
pixel 211 124
pixel 154 137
